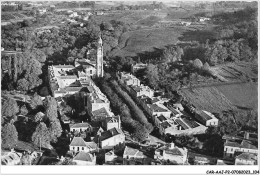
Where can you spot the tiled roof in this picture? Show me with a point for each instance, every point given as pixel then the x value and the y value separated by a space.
pixel 67 77
pixel 180 122
pixel 247 156
pixel 83 156
pixel 133 152
pixel 110 118
pixel 78 141
pixel 64 66
pixel 232 144
pixel 100 112
pixel 157 108
pixel 110 133
pixel 247 144
pixel 91 145
pixel 80 125
pixel 204 115
pixel 161 118
pixel 165 124
pixel 174 151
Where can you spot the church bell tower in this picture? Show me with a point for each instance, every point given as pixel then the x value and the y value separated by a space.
pixel 99 65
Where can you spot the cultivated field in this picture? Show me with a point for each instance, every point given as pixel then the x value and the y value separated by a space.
pixel 208 98
pixel 223 97
pixel 237 71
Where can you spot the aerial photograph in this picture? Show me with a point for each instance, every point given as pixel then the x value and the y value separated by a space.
pixel 129 83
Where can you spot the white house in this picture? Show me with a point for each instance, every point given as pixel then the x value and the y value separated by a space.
pixel 206 118
pixel 81 127
pixel 246 159
pixel 172 153
pixel 111 138
pixel 131 156
pixel 79 145
pixel 230 148
pixel 112 122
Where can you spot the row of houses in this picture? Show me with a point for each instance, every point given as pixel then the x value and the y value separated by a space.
pixel 241 151
pixel 168 117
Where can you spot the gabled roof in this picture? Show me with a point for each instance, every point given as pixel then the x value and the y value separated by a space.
pixel 100 112
pixel 232 144
pixel 157 108
pixel 78 141
pixel 110 133
pixel 165 124
pixel 83 156
pixel 172 151
pixel 64 66
pixel 161 118
pixel 247 156
pixel 248 145
pixel 80 125
pixel 133 152
pixel 108 119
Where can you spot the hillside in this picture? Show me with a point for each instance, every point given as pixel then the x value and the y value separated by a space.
pixel 223 97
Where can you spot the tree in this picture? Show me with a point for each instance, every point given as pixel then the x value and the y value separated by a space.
pixel 9 108
pixel 23 110
pixel 151 74
pixel 9 135
pixel 197 63
pixel 52 115
pixel 41 136
pixel 36 101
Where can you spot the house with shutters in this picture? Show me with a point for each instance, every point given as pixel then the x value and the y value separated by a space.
pixel 79 145
pixel 232 148
pixel 81 127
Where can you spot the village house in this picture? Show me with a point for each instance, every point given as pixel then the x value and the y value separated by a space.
pixel 231 148
pixel 83 158
pixel 81 127
pixel 110 157
pixel 158 109
pixel 246 159
pixel 112 122
pixel 133 156
pixel 100 115
pixel 73 15
pixel 111 138
pixel 172 153
pixel 206 118
pixel 79 145
pixel 128 79
pixel 137 91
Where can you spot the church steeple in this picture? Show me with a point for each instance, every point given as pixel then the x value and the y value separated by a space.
pixel 99 65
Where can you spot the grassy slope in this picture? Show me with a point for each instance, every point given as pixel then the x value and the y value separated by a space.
pixel 244 95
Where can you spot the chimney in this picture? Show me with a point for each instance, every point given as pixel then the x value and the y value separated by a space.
pixel 12 150
pixel 171 145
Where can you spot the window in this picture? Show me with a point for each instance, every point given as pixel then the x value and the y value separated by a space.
pixel 78 148
pixel 73 148
pixel 82 148
pixel 231 149
pixel 90 72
